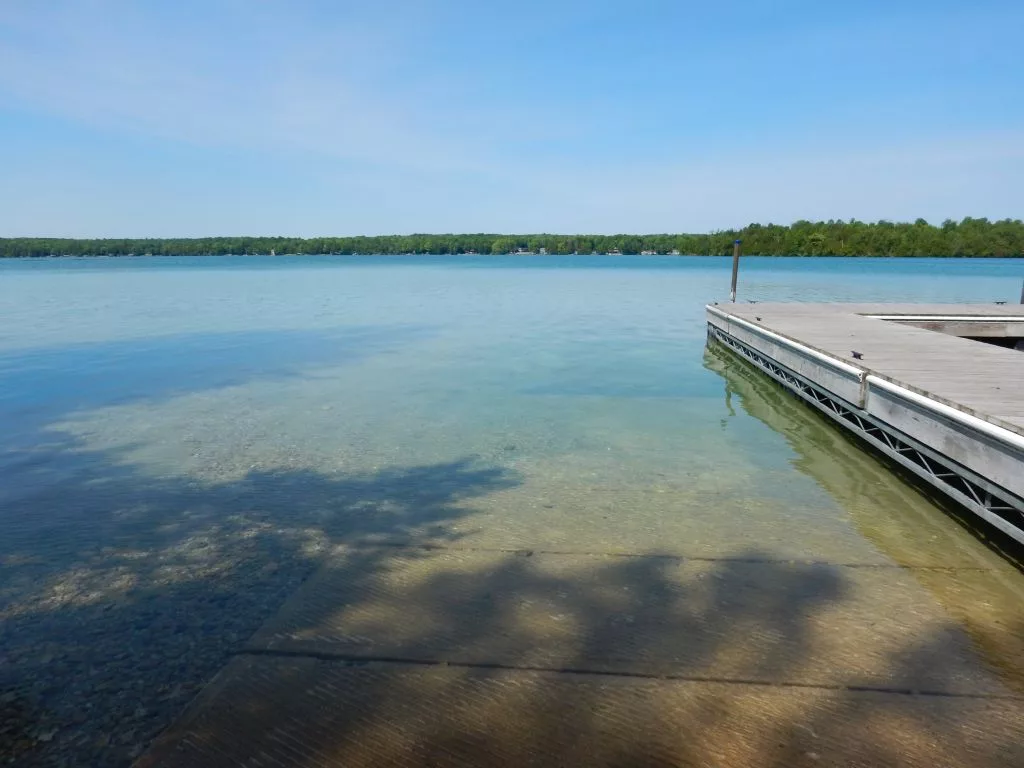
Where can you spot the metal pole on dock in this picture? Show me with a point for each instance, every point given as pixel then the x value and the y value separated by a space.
pixel 736 269
pixel 1022 293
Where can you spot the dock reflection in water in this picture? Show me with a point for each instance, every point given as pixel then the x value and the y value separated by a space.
pixel 980 587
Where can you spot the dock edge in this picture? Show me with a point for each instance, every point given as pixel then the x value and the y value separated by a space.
pixel 860 401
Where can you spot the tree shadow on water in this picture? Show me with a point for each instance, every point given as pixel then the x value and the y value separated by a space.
pixel 903 517
pixel 464 657
pixel 360 626
pixel 86 375
pixel 467 658
pixel 42 387
pixel 121 593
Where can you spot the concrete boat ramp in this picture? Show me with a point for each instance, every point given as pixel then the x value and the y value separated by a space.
pixel 900 643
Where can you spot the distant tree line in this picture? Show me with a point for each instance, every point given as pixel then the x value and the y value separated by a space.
pixel 969 237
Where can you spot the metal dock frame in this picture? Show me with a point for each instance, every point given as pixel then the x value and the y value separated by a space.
pixel 995 504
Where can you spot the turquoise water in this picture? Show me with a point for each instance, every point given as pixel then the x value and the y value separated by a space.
pixel 585 370
pixel 208 367
pixel 175 423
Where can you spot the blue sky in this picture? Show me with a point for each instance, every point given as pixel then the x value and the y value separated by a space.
pixel 192 118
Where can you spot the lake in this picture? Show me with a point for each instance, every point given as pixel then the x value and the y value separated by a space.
pixel 185 439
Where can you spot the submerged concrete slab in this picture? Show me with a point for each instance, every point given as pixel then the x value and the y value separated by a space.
pixel 762 621
pixel 669 521
pixel 702 523
pixel 264 711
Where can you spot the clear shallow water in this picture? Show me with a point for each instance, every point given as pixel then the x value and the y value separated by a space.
pixel 171 422
pixel 579 374
pixel 208 367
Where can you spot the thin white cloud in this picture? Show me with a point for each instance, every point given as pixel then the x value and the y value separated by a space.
pixel 249 76
pixel 976 176
pixel 384 144
pixel 938 178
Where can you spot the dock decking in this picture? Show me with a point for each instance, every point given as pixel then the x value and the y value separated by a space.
pixel 949 408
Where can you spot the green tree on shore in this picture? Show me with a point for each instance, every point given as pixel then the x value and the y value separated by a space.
pixel 969 237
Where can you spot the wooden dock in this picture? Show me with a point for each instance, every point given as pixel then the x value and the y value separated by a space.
pixel 937 388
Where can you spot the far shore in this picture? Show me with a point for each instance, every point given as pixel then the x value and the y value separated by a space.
pixel 526 254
